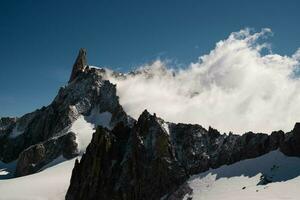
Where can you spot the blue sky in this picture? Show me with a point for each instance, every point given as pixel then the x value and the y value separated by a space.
pixel 40 39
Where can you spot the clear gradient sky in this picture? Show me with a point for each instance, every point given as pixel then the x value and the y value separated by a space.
pixel 40 39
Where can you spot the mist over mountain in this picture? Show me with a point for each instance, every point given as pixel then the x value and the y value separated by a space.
pixel 241 85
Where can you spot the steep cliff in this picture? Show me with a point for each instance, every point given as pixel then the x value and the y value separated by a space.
pixel 153 159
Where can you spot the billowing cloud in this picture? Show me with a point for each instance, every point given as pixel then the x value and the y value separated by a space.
pixel 235 87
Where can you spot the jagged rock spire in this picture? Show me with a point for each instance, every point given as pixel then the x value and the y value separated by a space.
pixel 79 65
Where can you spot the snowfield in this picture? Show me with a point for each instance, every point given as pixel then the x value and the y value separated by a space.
pixel 49 184
pixel 240 180
pixel 233 182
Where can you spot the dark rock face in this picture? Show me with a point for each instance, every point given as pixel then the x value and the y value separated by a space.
pixel 79 65
pixel 291 144
pixel 6 122
pixel 37 156
pixel 153 159
pixel 30 159
pixel 69 146
pixel 198 149
pixel 127 163
pixel 6 125
pixel 21 138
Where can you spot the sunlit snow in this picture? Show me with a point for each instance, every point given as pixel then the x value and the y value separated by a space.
pixel 84 126
pixel 50 184
pixel 240 180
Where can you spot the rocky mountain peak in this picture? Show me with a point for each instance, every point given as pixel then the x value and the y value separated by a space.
pixel 38 138
pixel 79 65
pixel 145 114
pixel 296 129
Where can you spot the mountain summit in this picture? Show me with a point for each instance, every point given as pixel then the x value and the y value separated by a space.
pixel 63 127
pixel 79 65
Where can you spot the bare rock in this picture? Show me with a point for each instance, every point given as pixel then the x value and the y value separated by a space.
pixel 291 144
pixel 148 162
pixel 88 91
pixel 127 163
pixel 79 65
pixel 36 156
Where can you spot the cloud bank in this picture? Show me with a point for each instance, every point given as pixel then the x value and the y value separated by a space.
pixel 236 87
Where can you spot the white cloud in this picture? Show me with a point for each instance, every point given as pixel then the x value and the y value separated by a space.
pixel 233 88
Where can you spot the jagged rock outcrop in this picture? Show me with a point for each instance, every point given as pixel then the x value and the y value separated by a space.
pixel 79 65
pixel 153 159
pixel 6 125
pixel 6 122
pixel 128 163
pixel 86 93
pixel 36 156
pixel 291 143
pixel 198 149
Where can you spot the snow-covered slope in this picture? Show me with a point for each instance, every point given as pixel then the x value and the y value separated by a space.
pixel 242 180
pixel 49 184
pixel 233 182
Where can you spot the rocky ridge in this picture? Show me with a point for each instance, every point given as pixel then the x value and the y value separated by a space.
pixel 154 158
pixel 37 138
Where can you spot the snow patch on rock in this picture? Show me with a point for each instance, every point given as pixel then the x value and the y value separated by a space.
pixel 84 131
pixel 165 126
pixel 84 126
pixel 99 118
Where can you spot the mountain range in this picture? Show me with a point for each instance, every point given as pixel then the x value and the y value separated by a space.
pixel 101 152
